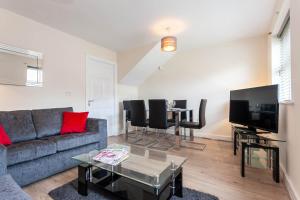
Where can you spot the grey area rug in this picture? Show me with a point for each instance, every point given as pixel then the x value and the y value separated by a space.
pixel 69 192
pixel 165 143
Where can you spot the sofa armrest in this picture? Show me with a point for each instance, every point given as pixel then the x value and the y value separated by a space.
pixel 98 126
pixel 10 190
pixel 3 161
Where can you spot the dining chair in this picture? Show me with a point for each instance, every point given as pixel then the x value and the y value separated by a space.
pixel 158 116
pixel 180 104
pixel 127 109
pixel 138 113
pixel 202 119
pixel 138 116
pixel 158 119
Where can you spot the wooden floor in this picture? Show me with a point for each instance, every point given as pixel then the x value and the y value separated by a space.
pixel 214 170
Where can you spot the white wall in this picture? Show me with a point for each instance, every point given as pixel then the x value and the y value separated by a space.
pixel 64 64
pixel 292 111
pixel 125 92
pixel 211 72
pixel 293 166
pixel 289 127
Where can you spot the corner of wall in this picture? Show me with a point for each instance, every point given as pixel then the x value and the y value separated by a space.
pixel 288 184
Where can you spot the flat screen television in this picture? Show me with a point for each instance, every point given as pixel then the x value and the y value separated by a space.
pixel 256 108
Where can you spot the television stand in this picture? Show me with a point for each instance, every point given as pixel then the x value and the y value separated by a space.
pixel 251 128
pixel 252 139
pixel 275 158
pixel 250 135
pixel 245 133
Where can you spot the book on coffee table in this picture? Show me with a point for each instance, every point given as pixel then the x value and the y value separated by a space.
pixel 112 155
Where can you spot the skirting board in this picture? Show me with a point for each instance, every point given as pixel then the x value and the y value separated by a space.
pixel 289 185
pixel 215 137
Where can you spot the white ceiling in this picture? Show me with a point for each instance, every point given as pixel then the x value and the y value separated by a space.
pixel 146 66
pixel 126 24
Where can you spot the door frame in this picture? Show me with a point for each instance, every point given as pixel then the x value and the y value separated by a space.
pixel 115 127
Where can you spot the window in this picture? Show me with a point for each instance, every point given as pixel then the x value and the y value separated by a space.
pixel 34 76
pixel 281 67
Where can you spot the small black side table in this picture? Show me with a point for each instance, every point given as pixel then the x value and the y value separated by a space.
pixel 275 156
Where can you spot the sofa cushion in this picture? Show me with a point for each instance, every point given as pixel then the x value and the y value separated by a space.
pixel 3 120
pixel 3 160
pixel 74 122
pixel 9 189
pixel 48 122
pixel 73 140
pixel 29 150
pixel 4 139
pixel 19 126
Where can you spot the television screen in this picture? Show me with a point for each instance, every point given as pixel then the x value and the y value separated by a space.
pixel 255 107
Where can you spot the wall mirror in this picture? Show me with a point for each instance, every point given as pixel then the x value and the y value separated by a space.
pixel 20 67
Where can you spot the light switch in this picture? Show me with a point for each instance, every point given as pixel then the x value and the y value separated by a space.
pixel 68 93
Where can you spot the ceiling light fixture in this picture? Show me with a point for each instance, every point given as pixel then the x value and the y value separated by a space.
pixel 168 43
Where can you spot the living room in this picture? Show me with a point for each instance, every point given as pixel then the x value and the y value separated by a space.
pixel 86 59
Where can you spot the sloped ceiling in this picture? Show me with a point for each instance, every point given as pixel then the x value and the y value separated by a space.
pixel 126 24
pixel 146 66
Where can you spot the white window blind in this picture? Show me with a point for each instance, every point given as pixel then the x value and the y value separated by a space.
pixel 282 68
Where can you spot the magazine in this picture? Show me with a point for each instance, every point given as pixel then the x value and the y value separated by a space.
pixel 112 155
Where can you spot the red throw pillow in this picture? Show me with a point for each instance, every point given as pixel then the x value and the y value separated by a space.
pixel 4 139
pixel 74 122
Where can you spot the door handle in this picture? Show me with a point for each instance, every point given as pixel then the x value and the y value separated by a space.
pixel 90 101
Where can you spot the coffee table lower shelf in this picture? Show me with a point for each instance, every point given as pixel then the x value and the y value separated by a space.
pixel 126 188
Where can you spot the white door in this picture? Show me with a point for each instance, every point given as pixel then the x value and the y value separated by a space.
pixel 100 91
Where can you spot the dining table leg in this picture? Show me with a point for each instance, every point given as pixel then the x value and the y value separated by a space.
pixel 126 130
pixel 126 125
pixel 191 130
pixel 177 133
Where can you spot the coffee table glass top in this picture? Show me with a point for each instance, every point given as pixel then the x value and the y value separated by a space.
pixel 147 166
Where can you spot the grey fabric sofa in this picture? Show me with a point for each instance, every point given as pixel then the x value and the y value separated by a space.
pixel 9 189
pixel 38 150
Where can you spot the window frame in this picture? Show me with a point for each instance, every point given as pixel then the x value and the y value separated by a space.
pixel 277 59
pixel 39 78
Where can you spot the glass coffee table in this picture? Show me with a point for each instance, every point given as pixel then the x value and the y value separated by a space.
pixel 145 174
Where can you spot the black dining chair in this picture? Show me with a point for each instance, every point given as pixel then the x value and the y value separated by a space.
pixel 127 109
pixel 180 104
pixel 138 113
pixel 158 114
pixel 202 119
pixel 138 116
pixel 158 119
